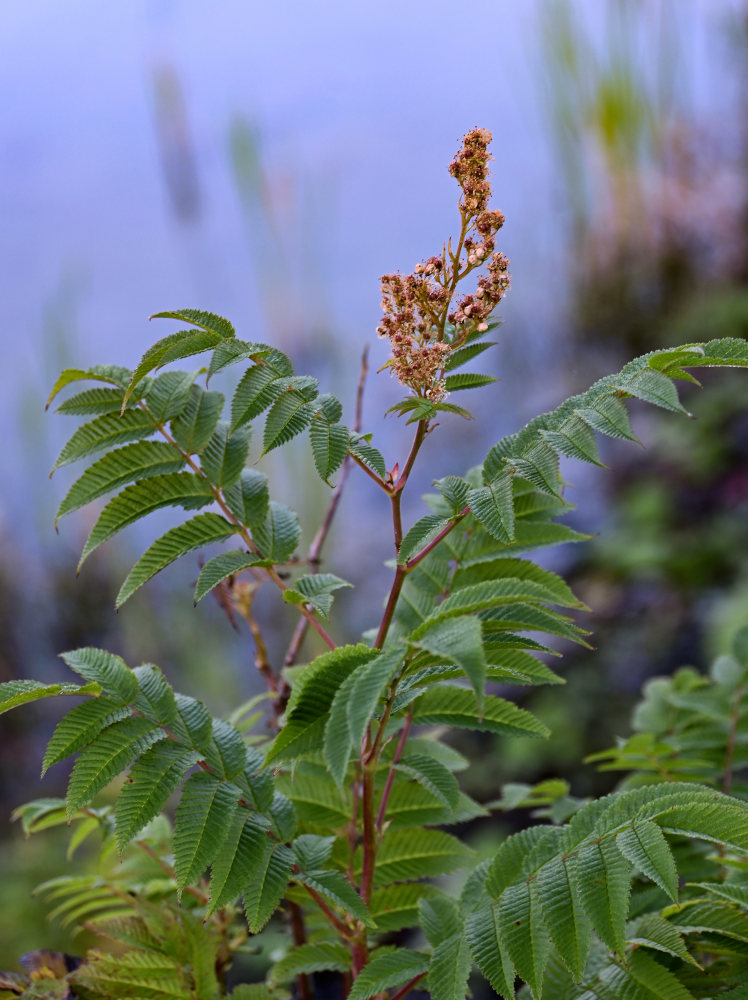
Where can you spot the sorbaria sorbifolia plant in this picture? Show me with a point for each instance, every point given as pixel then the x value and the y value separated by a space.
pixel 332 825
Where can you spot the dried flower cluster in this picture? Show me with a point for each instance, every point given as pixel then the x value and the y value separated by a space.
pixel 418 307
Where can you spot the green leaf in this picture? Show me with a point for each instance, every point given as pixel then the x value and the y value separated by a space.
pixel 413 853
pixel 316 589
pixel 14 693
pixel 204 818
pixel 106 669
pixel 289 415
pixel 557 590
pixel 141 460
pixel 539 466
pixel 106 756
pixel 193 724
pixel 264 892
pixel 467 380
pixel 488 946
pixel 225 751
pixel 94 401
pixel 644 845
pixel 278 535
pixel 248 499
pixel 388 967
pixel 205 320
pixel 112 374
pixel 575 439
pixel 312 698
pixel 449 969
pixel 422 532
pixel 169 395
pixel 221 567
pixel 80 726
pixel 258 389
pixel 152 780
pixel 225 455
pixel 395 907
pixel 105 432
pixel 329 445
pixel 525 936
pixel 229 352
pixel 652 931
pixel 204 529
pixel 651 386
pixel 365 453
pixel 465 354
pixel 569 928
pixel 434 777
pixel 460 641
pixel 306 958
pixel 453 706
pixel 177 489
pixel 194 426
pixel 335 888
pixel 653 977
pixel 604 882
pixel 183 344
pixel 493 507
pixel 237 861
pixel 156 699
pixel 608 414
pixel 372 679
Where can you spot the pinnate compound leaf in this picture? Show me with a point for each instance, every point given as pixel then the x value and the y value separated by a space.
pixel 225 751
pixel 193 724
pixel 539 466
pixel 389 966
pixel 106 756
pixel 140 460
pixel 204 818
pixel 111 374
pixel 329 443
pixel 645 846
pixel 203 529
pixel 225 455
pixel 177 489
pixel 604 882
pixel 248 499
pixel 492 506
pixel 221 567
pixel 315 589
pixel 230 351
pixel 455 706
pixel 80 726
pixel 20 692
pixel 321 956
pixel 648 975
pixel 194 426
pixel 151 781
pixel 651 386
pixel 237 861
pixel 278 535
pixel 265 891
pixel 103 668
pixel 156 699
pixel 104 432
pixel 208 321
pixel 100 399
pixel 652 931
pixel 460 641
pixel 575 439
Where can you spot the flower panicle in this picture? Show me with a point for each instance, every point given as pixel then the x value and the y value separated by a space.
pixel 418 307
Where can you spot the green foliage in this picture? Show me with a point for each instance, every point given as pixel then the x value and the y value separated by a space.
pixel 331 817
